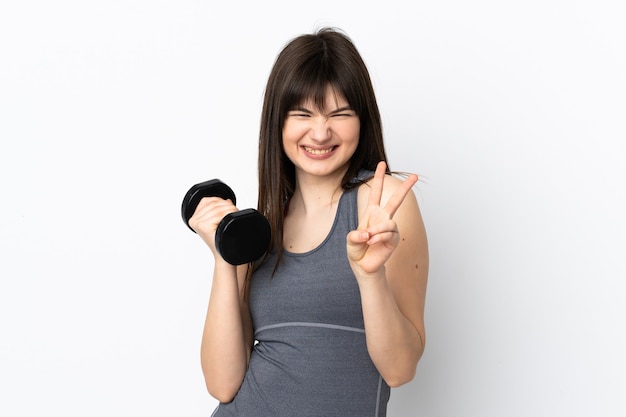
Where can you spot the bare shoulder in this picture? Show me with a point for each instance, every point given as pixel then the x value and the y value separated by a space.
pixel 390 186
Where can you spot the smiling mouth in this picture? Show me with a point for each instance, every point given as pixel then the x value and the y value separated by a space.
pixel 319 151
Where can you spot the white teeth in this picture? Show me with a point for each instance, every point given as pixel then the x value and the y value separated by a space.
pixel 318 151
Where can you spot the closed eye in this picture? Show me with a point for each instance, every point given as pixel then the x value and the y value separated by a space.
pixel 300 112
pixel 342 112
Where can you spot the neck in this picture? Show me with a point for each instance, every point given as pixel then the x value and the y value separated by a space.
pixel 314 192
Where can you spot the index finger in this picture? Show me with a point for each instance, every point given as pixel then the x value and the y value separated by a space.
pixel 399 194
pixel 376 191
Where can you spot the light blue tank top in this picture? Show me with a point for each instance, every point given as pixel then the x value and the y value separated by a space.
pixel 310 359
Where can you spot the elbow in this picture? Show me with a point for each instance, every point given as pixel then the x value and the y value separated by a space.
pixel 221 392
pixel 222 384
pixel 223 389
pixel 403 372
pixel 400 378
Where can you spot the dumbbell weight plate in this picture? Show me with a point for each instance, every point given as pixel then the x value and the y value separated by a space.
pixel 211 188
pixel 243 236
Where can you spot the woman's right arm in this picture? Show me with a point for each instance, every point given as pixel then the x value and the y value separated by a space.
pixel 227 338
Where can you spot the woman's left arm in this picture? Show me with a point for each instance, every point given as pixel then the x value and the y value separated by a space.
pixel 388 254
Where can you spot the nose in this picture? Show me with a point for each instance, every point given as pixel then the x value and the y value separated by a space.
pixel 320 129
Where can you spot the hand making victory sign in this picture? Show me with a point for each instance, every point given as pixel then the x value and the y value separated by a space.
pixel 372 243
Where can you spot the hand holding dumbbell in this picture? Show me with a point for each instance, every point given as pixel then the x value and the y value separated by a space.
pixel 242 236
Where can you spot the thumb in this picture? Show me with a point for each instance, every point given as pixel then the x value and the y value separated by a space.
pixel 356 244
pixel 358 236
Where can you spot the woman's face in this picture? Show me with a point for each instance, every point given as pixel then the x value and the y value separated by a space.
pixel 321 141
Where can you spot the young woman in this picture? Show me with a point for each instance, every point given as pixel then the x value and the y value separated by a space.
pixel 332 316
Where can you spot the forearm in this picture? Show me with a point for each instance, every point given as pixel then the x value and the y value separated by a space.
pixel 224 350
pixel 395 345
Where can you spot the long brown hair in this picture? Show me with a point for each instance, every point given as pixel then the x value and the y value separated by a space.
pixel 303 70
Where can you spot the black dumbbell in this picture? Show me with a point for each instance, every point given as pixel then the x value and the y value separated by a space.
pixel 241 237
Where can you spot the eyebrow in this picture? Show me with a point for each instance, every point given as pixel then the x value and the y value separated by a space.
pixel 338 110
pixel 301 109
pixel 341 109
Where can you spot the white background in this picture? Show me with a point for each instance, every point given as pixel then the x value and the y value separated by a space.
pixel 512 113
